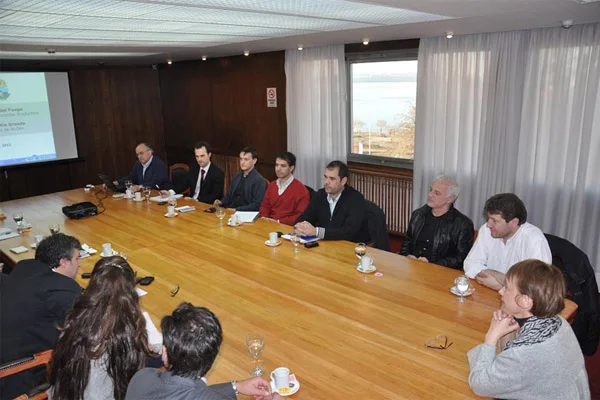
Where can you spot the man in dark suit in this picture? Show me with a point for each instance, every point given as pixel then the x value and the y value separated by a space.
pixel 248 187
pixel 335 212
pixel 191 340
pixel 205 179
pixel 149 170
pixel 35 299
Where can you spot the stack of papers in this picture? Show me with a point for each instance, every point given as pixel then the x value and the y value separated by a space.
pixel 185 209
pixel 86 251
pixel 303 239
pixel 158 199
pixel 246 216
pixel 6 233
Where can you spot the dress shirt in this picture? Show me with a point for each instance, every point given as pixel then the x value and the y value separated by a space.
pixel 332 203
pixel 281 186
pixel 146 165
pixel 197 191
pixel 492 253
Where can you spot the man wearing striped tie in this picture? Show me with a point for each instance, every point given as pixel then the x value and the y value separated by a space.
pixel 205 180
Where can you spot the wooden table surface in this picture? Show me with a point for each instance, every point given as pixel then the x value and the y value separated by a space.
pixel 345 335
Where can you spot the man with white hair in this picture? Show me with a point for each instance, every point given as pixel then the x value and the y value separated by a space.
pixel 438 232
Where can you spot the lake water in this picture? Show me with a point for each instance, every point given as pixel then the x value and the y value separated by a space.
pixel 387 101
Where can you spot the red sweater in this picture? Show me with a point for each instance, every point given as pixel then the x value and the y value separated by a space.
pixel 287 207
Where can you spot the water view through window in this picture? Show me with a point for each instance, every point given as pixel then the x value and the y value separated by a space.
pixel 384 108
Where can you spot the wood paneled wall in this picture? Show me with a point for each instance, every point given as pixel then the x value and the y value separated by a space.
pixel 223 101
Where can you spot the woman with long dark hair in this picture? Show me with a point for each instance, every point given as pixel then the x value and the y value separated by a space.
pixel 104 341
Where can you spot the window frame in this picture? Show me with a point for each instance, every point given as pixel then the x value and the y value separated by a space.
pixel 369 57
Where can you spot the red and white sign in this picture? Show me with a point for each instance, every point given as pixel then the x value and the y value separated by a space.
pixel 271 97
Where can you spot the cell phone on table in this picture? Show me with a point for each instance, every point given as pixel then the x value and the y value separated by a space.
pixel 86 275
pixel 145 280
pixel 311 244
pixel 210 210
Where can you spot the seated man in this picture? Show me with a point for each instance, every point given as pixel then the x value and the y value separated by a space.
pixel 247 188
pixel 36 297
pixel 335 212
pixel 149 170
pixel 191 340
pixel 287 197
pixel 206 180
pixel 438 232
pixel 504 240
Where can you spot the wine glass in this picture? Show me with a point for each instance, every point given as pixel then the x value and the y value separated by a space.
pixel 128 185
pixel 147 191
pixel 18 217
pixel 462 286
pixel 54 228
pixel 295 239
pixel 220 214
pixel 256 345
pixel 360 249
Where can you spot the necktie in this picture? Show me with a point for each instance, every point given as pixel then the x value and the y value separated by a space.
pixel 199 185
pixel 202 172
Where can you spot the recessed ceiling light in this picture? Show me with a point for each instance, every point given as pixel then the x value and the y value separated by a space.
pixel 246 53
pixel 169 62
pixel 300 47
pixel 449 34
pixel 51 50
pixel 366 41
pixel 203 58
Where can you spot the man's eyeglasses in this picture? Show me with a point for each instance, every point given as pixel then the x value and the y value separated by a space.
pixel 439 342
pixel 141 153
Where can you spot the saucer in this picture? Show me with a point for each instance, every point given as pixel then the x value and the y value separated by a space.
pixel 456 292
pixel 272 244
pixel 359 268
pixel 234 225
pixel 114 253
pixel 139 200
pixel 295 388
pixel 171 216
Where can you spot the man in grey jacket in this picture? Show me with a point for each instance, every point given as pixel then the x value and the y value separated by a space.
pixel 191 340
pixel 248 187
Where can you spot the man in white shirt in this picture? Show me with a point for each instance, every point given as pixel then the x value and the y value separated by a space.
pixel 503 241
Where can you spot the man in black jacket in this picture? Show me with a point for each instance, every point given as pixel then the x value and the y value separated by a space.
pixel 205 179
pixel 438 232
pixel 35 299
pixel 335 212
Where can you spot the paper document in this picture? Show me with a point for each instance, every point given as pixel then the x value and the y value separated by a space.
pixel 303 239
pixel 7 233
pixel 158 199
pixel 246 216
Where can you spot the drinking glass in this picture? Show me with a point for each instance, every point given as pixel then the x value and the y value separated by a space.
pixel 128 184
pixel 220 214
pixel 462 286
pixel 172 201
pixel 147 192
pixel 360 249
pixel 18 217
pixel 54 228
pixel 295 239
pixel 256 345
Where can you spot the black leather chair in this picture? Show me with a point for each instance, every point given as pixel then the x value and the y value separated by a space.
pixel 376 225
pixel 582 288
pixel 311 191
pixel 178 173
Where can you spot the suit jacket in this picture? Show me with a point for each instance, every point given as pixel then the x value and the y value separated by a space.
pixel 212 187
pixel 254 191
pixel 347 218
pixel 157 174
pixel 154 384
pixel 34 301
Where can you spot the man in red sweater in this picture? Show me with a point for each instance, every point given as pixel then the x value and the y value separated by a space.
pixel 287 197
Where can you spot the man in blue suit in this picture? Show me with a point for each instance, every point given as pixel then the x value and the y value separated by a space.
pixel 149 170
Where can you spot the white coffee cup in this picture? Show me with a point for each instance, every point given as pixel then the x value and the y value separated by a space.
pixel 273 237
pixel 171 210
pixel 366 262
pixel 107 249
pixel 281 376
pixel 38 239
pixel 235 219
pixel 138 196
pixel 128 193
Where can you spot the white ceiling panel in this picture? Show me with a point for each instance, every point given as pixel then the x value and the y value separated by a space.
pixel 161 46
pixel 102 8
pixel 241 30
pixel 151 37
pixel 31 19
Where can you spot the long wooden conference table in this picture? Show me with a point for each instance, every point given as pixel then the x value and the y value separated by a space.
pixel 344 334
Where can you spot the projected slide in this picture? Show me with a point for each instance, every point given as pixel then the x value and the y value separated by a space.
pixel 25 123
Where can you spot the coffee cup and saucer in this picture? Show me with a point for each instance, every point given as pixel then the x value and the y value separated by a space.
pixel 366 265
pixel 273 240
pixel 284 383
pixel 171 212
pixel 107 250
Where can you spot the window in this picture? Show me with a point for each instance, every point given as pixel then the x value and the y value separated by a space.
pixel 383 96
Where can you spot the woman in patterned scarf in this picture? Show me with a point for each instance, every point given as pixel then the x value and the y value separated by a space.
pixel 544 360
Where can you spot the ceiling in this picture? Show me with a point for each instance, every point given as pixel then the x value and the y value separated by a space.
pixel 153 31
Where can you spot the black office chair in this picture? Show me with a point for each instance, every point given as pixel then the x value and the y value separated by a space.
pixel 178 173
pixel 376 225
pixel 311 191
pixel 582 288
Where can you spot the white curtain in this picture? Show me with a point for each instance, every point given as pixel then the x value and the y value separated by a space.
pixel 516 112
pixel 316 110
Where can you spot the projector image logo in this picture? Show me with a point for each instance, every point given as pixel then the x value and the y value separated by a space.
pixel 4 93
